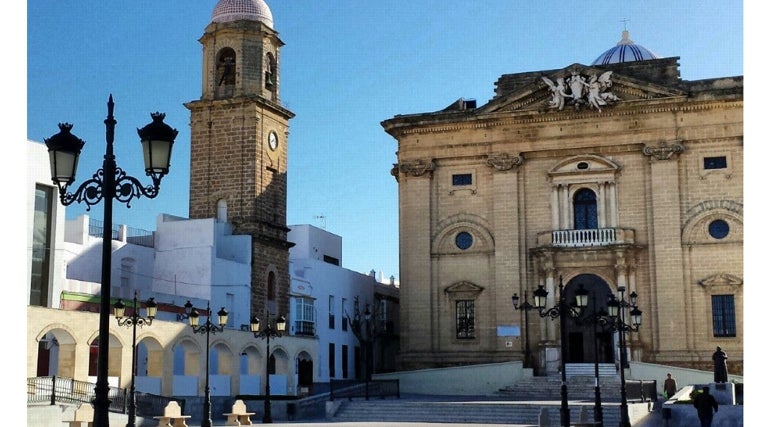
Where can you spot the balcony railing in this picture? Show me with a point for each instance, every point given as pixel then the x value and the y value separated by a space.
pixel 587 237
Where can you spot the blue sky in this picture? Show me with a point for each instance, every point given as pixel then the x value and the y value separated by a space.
pixel 345 67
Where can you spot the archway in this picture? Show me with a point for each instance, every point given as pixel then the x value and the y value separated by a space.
pixel 582 338
pixel 150 361
pixel 305 367
pixel 53 347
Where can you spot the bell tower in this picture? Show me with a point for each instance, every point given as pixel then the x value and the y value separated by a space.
pixel 239 141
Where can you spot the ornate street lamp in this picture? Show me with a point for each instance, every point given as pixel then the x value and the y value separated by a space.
pixel 615 320
pixel 268 332
pixel 108 183
pixel 525 306
pixel 133 322
pixel 207 328
pixel 562 309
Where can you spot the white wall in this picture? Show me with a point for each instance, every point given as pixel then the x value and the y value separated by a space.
pixel 313 277
pixel 38 172
pixel 314 243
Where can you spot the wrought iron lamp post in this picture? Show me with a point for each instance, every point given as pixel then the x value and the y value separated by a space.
pixel 267 333
pixel 133 322
pixel 525 307
pixel 562 309
pixel 615 320
pixel 207 328
pixel 108 183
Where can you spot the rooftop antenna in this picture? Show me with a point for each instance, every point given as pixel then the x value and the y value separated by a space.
pixel 323 221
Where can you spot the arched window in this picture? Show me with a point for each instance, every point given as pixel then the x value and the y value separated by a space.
pixel 270 74
pixel 221 211
pixel 584 209
pixel 126 279
pixel 270 287
pixel 225 67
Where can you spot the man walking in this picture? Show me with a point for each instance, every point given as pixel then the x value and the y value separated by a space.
pixel 670 387
pixel 705 404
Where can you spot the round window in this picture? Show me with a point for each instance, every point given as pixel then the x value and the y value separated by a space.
pixel 464 240
pixel 718 229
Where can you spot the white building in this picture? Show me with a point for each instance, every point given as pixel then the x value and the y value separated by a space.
pixel 325 299
pixel 200 261
pixel 196 260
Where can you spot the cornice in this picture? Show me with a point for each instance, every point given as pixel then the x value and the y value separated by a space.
pixel 538 117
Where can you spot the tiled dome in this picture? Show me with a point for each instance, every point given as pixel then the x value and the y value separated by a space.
pixel 237 10
pixel 625 51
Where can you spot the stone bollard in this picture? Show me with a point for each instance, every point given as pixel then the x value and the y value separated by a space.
pixel 543 418
pixel 586 418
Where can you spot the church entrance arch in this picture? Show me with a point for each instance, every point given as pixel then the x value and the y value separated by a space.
pixel 582 337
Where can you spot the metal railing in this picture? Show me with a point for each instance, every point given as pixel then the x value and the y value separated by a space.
pixel 366 389
pixel 54 389
pixel 66 390
pixel 646 391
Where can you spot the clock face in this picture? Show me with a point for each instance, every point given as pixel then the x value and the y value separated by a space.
pixel 273 140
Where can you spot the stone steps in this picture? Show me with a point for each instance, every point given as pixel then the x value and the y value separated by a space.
pixel 579 387
pixel 465 411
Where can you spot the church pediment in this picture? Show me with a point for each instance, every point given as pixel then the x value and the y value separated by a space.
pixel 722 282
pixel 573 88
pixel 464 290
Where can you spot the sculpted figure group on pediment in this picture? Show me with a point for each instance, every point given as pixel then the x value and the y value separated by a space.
pixel 579 90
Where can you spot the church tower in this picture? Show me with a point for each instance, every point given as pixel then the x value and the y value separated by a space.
pixel 239 141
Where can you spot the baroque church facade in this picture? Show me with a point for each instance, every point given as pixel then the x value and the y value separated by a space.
pixel 239 140
pixel 613 178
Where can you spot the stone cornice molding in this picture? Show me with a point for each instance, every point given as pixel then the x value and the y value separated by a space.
pixel 492 120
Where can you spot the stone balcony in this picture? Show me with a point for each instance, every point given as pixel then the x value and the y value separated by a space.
pixel 587 238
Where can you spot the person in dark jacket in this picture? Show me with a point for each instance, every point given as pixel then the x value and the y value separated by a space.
pixel 706 406
pixel 719 365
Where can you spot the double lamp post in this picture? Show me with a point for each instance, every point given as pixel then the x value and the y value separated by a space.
pixel 108 183
pixel 613 319
pixel 267 333
pixel 209 328
pixel 206 328
pixel 133 322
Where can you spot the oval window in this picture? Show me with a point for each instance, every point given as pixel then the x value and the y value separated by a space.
pixel 464 240
pixel 582 165
pixel 718 229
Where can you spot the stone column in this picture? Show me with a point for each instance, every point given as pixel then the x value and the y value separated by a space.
pixel 416 313
pixel 665 205
pixel 506 229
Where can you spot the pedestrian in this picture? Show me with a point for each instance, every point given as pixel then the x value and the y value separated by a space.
pixel 719 365
pixel 669 387
pixel 705 404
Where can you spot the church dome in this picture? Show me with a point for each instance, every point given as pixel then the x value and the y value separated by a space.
pixel 239 10
pixel 625 51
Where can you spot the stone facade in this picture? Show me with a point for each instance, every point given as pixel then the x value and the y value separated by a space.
pixel 632 179
pixel 238 166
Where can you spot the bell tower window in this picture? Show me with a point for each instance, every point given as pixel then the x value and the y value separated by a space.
pixel 225 67
pixel 270 72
